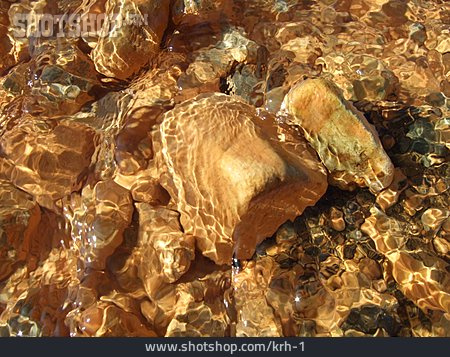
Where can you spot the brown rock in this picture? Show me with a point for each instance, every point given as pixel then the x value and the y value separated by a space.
pixel 201 308
pixel 48 160
pixel 233 176
pixel 337 219
pixel 107 320
pixel 58 79
pixel 166 251
pixel 212 62
pixel 64 81
pixel 196 305
pixel 19 220
pixel 433 218
pixel 346 143
pixel 133 147
pixel 99 217
pixel 441 245
pixel 132 45
pixel 370 268
pixel 255 316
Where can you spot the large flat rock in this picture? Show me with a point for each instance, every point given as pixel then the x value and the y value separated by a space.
pixel 233 175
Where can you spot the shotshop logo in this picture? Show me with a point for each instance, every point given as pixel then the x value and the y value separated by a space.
pixel 73 25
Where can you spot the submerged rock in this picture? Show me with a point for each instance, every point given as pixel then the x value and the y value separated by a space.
pixel 63 85
pixel 201 308
pixel 346 143
pixel 54 84
pixel 46 160
pixel 166 251
pixel 19 219
pixel 105 319
pixel 234 177
pixel 136 41
pixel 211 63
pixel 102 213
pixel 255 315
